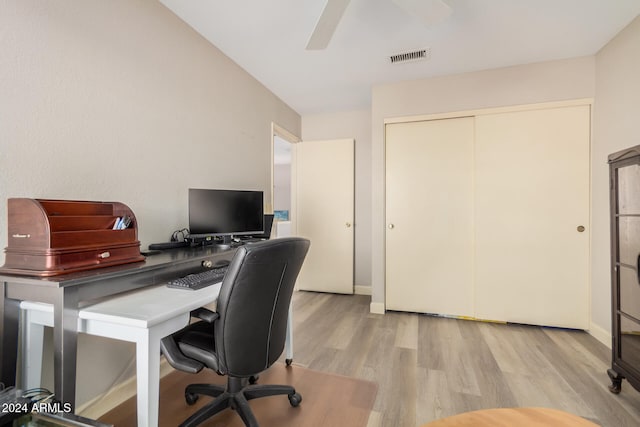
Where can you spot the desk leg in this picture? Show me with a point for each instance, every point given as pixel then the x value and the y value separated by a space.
pixel 148 378
pixel 9 321
pixel 288 345
pixel 65 345
pixel 31 349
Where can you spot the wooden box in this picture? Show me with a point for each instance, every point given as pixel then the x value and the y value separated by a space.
pixel 51 237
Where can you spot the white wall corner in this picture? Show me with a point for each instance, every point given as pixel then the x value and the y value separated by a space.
pixel 377 308
pixel 601 334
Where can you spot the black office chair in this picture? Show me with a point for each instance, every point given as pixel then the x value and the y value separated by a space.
pixel 246 334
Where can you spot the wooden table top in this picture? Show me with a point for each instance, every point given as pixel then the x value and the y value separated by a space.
pixel 509 417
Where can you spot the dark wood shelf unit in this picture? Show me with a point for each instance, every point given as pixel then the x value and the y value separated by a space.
pixel 624 184
pixel 51 237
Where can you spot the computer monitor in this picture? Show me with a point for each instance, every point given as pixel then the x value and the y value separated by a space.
pixel 225 213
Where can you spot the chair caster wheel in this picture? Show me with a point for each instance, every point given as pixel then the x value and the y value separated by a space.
pixel 190 398
pixel 295 399
pixel 288 362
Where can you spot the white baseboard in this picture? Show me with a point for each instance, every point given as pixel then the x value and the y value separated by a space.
pixel 116 395
pixel 362 290
pixel 601 334
pixel 377 308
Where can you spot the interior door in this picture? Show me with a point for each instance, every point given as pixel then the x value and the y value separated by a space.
pixel 325 212
pixel 532 216
pixel 429 213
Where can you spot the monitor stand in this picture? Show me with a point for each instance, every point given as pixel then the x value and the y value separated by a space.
pixel 225 243
pixel 228 241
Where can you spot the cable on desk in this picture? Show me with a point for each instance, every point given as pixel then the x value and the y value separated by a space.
pixel 180 235
pixel 38 395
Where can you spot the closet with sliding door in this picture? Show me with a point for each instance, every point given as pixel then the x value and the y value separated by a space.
pixel 487 215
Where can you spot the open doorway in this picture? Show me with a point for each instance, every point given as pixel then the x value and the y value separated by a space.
pixel 282 181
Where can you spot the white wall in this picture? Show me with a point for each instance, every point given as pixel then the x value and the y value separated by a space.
pixel 282 187
pixel 356 125
pixel 525 84
pixel 615 127
pixel 120 100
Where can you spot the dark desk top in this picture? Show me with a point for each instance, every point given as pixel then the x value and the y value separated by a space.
pixel 177 259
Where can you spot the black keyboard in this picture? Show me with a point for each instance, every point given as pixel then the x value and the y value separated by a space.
pixel 199 280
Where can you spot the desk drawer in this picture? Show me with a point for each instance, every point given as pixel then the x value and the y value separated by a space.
pixel 54 262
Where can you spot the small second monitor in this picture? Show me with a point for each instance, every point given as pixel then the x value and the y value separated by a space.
pixel 268 225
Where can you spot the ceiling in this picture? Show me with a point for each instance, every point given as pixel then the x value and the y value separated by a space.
pixel 268 40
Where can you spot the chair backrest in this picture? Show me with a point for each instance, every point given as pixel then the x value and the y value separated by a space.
pixel 254 304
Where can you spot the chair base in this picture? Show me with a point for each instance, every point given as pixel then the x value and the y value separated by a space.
pixel 236 396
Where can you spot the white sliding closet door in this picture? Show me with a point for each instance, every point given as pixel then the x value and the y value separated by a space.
pixel 325 213
pixel 532 216
pixel 429 215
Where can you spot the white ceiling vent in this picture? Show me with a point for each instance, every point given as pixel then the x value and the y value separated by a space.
pixel 416 55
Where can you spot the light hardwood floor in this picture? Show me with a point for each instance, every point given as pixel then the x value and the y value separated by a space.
pixel 431 367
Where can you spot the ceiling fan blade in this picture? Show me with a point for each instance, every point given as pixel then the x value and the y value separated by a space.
pixel 327 24
pixel 431 12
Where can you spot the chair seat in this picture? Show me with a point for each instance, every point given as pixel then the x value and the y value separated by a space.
pixel 196 342
pixel 509 417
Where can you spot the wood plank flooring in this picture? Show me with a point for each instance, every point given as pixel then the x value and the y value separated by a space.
pixel 431 367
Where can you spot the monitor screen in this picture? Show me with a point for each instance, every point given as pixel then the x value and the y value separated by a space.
pixel 225 212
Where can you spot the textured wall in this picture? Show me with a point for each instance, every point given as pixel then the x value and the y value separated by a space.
pixel 120 100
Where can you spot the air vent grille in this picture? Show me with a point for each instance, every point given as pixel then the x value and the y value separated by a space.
pixel 416 55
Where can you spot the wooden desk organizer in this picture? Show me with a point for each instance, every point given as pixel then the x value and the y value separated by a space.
pixel 51 237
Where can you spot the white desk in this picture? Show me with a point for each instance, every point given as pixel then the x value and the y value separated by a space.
pixel 144 317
